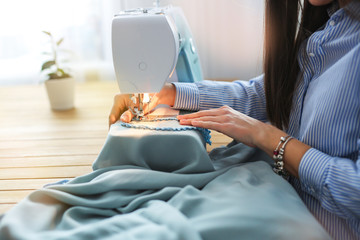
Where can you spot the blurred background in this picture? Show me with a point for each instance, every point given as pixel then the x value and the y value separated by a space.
pixel 228 34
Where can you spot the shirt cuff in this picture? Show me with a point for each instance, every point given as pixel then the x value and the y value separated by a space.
pixel 187 96
pixel 313 169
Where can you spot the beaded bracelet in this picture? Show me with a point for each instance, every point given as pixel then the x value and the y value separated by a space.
pixel 279 155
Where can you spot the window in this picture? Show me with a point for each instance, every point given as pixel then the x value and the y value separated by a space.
pixel 84 24
pixel 228 35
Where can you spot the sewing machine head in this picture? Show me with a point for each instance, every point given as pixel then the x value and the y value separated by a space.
pixel 150 47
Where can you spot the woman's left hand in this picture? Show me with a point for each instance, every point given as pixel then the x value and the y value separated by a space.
pixel 228 121
pixel 249 131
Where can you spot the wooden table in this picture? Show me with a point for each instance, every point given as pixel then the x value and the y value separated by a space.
pixel 39 146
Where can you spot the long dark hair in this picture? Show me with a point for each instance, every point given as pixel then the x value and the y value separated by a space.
pixel 283 36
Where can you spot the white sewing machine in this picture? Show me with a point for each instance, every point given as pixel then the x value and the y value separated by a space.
pixel 152 46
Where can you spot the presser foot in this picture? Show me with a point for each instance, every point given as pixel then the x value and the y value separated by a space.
pixel 138 114
pixel 139 101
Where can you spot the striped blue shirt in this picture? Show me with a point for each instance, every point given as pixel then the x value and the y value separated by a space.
pixel 325 115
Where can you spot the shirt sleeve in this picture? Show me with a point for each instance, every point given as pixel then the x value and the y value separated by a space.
pixel 334 181
pixel 247 97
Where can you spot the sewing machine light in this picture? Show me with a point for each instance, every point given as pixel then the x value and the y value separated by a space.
pixel 146 98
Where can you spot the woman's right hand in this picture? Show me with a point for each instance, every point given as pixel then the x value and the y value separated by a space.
pixel 120 106
pixel 121 102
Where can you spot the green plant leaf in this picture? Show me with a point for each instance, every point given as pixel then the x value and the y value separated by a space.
pixel 47 65
pixel 47 33
pixel 59 74
pixel 62 73
pixel 60 41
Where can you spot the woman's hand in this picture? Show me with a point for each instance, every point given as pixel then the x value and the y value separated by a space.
pixel 119 108
pixel 249 131
pixel 122 101
pixel 228 121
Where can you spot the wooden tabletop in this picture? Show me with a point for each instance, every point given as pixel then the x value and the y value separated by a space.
pixel 40 146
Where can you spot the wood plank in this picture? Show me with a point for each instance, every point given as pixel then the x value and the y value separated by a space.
pixel 44 172
pixel 218 140
pixel 12 197
pixel 18 135
pixel 95 124
pixel 25 184
pixel 48 161
pixel 40 143
pixel 50 151
pixel 45 113
pixel 39 146
pixel 55 129
pixel 221 138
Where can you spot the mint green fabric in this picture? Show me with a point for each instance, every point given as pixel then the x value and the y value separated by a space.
pixel 229 194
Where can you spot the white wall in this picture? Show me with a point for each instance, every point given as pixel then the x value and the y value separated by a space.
pixel 228 33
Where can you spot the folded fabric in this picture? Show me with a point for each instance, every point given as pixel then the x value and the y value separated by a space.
pixel 154 149
pixel 232 196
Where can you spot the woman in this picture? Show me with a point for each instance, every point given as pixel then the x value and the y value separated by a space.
pixel 310 90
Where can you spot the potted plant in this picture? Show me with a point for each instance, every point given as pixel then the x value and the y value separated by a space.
pixel 60 85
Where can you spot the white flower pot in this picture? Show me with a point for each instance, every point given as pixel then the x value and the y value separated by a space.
pixel 61 93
